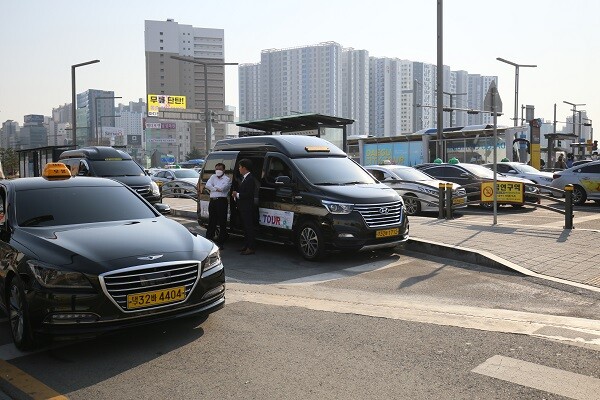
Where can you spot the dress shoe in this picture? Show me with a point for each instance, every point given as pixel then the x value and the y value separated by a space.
pixel 247 252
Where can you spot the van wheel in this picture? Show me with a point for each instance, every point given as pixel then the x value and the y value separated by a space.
pixel 412 204
pixel 18 316
pixel 309 240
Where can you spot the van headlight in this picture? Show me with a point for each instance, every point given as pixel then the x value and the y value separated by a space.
pixel 337 208
pixel 212 261
pixel 53 277
pixel 155 189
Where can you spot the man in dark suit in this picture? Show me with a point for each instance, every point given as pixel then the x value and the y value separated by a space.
pixel 244 198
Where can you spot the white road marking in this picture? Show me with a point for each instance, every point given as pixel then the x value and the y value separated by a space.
pixel 330 276
pixel 578 331
pixel 551 380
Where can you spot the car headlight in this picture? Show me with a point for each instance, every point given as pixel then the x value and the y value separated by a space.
pixel 337 208
pixel 213 260
pixel 155 190
pixel 53 277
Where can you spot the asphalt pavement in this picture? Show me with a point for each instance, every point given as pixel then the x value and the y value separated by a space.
pixel 566 256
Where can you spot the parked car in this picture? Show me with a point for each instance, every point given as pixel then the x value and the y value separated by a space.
pixel 585 179
pixel 182 174
pixel 522 170
pixel 179 188
pixel 84 255
pixel 412 185
pixel 465 174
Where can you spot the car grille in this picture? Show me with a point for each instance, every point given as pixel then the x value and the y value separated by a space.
pixel 143 190
pixel 134 280
pixel 378 215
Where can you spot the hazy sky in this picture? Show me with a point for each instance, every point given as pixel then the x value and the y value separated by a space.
pixel 41 39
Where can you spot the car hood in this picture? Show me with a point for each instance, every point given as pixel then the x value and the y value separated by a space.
pixel 431 183
pixel 101 247
pixel 361 193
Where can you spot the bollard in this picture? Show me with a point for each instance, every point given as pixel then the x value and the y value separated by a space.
pixel 441 195
pixel 448 201
pixel 569 206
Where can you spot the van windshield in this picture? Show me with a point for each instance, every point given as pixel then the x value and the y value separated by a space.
pixel 116 168
pixel 333 171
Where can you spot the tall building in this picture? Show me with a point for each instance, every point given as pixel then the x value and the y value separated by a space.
pixel 477 88
pixel 95 110
pixel 355 90
pixel 9 135
pixel 167 76
pixel 249 85
pixel 33 133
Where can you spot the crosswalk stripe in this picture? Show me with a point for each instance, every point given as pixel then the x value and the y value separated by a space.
pixel 551 380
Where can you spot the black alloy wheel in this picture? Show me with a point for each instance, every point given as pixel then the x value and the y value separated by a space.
pixel 412 204
pixel 18 315
pixel 310 243
pixel 579 195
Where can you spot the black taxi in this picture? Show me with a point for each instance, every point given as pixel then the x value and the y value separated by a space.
pixel 81 256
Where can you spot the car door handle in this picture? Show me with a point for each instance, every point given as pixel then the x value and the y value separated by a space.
pixel 297 197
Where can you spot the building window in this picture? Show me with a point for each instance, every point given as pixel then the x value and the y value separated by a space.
pixel 161 40
pixel 161 48
pixel 161 34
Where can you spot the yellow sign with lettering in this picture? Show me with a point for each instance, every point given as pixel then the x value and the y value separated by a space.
pixel 507 192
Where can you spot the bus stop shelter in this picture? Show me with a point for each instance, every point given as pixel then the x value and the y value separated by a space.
pixel 327 127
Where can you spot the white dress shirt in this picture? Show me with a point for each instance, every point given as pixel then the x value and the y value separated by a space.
pixel 218 187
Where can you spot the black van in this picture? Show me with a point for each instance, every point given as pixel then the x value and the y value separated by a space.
pixel 310 194
pixel 108 162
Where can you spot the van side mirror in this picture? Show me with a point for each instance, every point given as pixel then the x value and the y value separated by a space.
pixel 163 208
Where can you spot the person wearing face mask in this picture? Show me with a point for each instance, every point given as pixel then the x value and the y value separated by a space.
pixel 595 156
pixel 218 185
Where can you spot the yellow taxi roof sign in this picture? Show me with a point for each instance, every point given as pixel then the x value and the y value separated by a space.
pixel 56 170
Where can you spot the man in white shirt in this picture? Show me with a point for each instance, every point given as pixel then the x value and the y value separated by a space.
pixel 218 185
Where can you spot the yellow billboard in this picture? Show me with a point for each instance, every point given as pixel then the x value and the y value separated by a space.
pixel 156 101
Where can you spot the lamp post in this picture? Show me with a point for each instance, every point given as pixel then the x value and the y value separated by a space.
pixel 73 99
pixel 575 116
pixel 516 116
pixel 96 114
pixel 207 115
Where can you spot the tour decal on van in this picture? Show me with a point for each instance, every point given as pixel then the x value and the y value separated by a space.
pixel 276 218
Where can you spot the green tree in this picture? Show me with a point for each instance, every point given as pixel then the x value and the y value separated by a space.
pixel 194 154
pixel 10 161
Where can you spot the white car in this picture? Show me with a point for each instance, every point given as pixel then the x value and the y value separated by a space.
pixel 585 179
pixel 521 170
pixel 418 190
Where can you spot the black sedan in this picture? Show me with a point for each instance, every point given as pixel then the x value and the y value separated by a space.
pixel 87 255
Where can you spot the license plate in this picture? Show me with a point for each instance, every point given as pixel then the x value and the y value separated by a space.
pixel 458 200
pixel 386 233
pixel 156 297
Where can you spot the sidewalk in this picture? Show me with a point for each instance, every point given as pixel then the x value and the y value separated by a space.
pixel 570 257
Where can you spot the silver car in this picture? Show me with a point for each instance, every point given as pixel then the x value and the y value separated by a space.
pixel 585 179
pixel 412 185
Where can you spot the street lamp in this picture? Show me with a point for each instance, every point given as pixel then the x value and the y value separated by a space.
pixel 516 116
pixel 207 116
pixel 96 113
pixel 574 116
pixel 73 99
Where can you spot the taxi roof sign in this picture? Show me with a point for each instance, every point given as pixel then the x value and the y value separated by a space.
pixel 56 170
pixel 317 149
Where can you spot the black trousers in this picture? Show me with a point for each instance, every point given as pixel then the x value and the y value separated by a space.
pixel 248 217
pixel 217 215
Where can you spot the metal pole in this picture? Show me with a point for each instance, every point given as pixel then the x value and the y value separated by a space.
pixel 206 112
pixel 516 93
pixel 73 108
pixel 440 79
pixel 569 206
pixel 495 156
pixel 441 199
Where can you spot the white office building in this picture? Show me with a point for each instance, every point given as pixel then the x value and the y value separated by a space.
pixel 355 90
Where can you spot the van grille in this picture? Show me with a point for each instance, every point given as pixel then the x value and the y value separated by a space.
pixel 379 215
pixel 142 190
pixel 118 284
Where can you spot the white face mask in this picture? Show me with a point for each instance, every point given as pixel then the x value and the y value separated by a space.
pixel 219 172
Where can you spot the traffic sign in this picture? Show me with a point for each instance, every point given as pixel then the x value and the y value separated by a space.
pixel 492 101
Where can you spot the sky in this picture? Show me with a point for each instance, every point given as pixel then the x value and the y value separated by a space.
pixel 41 39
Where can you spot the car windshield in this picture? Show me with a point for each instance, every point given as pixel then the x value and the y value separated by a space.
pixel 185 173
pixel 78 205
pixel 333 171
pixel 411 174
pixel 116 168
pixel 479 171
pixel 528 169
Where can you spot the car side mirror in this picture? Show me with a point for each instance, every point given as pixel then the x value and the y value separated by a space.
pixel 162 208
